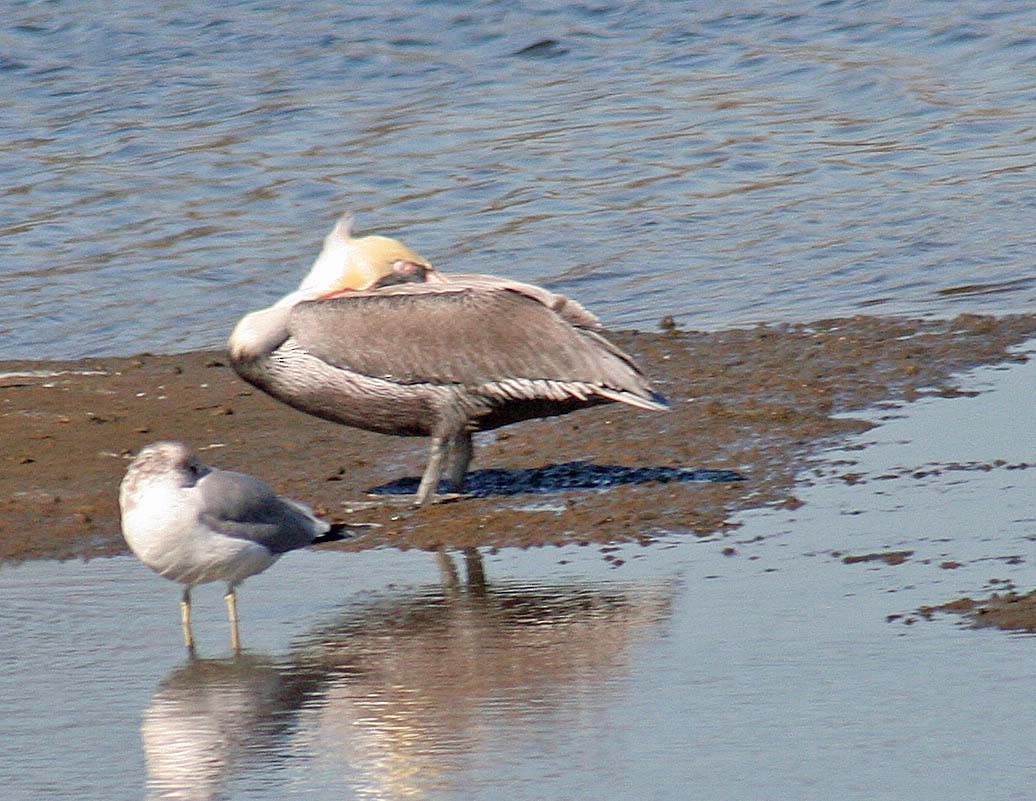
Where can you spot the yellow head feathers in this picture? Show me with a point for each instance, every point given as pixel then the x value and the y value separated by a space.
pixel 347 263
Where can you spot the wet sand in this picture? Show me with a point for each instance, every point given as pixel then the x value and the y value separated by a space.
pixel 1008 610
pixel 758 402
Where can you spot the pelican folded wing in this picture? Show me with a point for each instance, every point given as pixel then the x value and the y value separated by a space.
pixel 475 337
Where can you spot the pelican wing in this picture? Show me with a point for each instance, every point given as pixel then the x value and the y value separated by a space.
pixel 569 310
pixel 477 333
pixel 241 506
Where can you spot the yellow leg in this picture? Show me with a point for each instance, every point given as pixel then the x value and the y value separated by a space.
pixel 235 637
pixel 185 619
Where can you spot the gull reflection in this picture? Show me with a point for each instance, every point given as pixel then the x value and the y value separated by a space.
pixel 211 717
pixel 399 693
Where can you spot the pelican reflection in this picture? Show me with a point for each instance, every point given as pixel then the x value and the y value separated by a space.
pixel 430 681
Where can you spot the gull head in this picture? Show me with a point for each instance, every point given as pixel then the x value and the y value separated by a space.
pixel 160 464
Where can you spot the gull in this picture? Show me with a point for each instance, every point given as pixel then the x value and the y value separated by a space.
pixel 194 524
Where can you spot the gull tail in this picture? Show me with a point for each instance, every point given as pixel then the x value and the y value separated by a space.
pixel 341 531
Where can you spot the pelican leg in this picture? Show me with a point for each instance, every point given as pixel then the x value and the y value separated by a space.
pixel 430 480
pixel 447 569
pixel 460 458
pixel 185 619
pixel 235 637
pixel 476 571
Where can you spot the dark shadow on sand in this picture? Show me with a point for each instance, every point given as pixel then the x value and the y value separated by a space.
pixel 564 477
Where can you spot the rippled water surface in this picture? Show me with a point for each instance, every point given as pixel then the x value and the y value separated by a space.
pixel 762 664
pixel 166 167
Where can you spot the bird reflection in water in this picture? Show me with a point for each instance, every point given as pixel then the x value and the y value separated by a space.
pixel 394 697
pixel 211 718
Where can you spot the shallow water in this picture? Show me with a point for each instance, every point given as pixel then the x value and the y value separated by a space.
pixel 805 160
pixel 754 665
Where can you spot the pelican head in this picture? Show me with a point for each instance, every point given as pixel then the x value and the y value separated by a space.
pixel 348 263
pixel 344 265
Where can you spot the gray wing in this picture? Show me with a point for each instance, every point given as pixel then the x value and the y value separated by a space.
pixel 565 307
pixel 241 506
pixel 469 335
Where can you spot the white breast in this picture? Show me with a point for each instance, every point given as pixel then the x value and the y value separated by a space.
pixel 164 531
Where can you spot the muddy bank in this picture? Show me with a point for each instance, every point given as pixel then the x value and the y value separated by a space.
pixel 747 404
pixel 1008 610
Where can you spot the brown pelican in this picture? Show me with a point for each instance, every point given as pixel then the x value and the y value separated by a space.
pixel 376 338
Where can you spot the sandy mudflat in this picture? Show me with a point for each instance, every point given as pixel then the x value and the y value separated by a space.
pixel 758 402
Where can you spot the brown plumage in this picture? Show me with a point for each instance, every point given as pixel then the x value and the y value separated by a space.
pixel 398 348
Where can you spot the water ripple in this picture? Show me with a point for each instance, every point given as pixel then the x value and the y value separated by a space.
pixel 721 165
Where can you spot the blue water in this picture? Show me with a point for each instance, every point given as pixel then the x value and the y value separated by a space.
pixel 166 167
